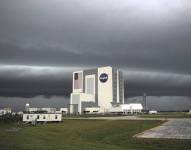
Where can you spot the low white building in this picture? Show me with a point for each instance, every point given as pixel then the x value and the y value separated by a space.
pixel 153 112
pixel 5 111
pixel 20 113
pixel 91 110
pixel 64 110
pixel 48 110
pixel 132 108
pixel 123 108
pixel 42 117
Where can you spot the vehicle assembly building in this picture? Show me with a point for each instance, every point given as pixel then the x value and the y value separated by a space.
pixel 97 90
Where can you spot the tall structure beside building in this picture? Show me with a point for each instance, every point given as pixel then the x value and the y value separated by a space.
pixel 145 101
pixel 101 88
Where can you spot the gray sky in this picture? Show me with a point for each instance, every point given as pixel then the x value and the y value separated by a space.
pixel 43 41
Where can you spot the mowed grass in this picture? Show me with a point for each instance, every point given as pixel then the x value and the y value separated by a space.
pixel 85 135
pixel 168 115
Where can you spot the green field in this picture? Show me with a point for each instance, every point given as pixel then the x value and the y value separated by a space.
pixel 84 135
pixel 167 115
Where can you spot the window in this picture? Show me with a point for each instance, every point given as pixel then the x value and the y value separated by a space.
pixel 27 116
pixel 37 116
pixel 90 84
pixel 56 117
pixel 44 117
pixel 76 76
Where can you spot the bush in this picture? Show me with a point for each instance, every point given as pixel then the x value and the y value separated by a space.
pixel 10 118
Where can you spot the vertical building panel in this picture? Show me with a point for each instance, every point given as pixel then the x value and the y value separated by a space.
pixel 105 90
pixel 92 72
pixel 78 81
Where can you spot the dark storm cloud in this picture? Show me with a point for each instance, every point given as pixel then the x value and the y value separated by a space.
pixel 27 81
pixel 156 83
pixel 152 36
pixel 18 103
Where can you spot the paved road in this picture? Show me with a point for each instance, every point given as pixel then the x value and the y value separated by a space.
pixel 173 129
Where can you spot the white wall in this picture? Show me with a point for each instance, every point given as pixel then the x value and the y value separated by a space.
pixel 105 92
pixel 92 109
pixel 64 110
pixel 77 98
pixel 90 84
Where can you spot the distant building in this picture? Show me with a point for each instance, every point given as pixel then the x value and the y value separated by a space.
pixel 101 88
pixel 36 109
pixel 20 113
pixel 91 110
pixel 32 114
pixel 48 110
pixel 132 108
pixel 153 112
pixel 64 110
pixel 4 111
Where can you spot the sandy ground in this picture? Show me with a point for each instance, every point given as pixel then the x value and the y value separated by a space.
pixel 173 129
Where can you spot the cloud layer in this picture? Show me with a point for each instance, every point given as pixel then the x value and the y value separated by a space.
pixel 42 42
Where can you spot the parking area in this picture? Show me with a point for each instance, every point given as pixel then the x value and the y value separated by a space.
pixel 173 129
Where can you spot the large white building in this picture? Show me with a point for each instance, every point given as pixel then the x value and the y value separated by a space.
pixel 96 89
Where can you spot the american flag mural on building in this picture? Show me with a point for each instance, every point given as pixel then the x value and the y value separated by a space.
pixel 78 80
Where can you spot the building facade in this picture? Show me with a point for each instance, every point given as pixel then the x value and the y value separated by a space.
pixel 101 87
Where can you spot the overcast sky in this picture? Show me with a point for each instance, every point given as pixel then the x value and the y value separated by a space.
pixel 43 41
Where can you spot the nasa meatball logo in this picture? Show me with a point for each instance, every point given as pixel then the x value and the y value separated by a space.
pixel 103 77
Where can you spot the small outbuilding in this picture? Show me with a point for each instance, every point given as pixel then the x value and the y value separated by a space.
pixel 132 108
pixel 153 111
pixel 64 110
pixel 42 117
pixel 91 110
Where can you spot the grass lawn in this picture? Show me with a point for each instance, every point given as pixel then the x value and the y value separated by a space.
pixel 168 115
pixel 85 135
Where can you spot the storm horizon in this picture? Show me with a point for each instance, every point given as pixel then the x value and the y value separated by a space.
pixel 42 42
